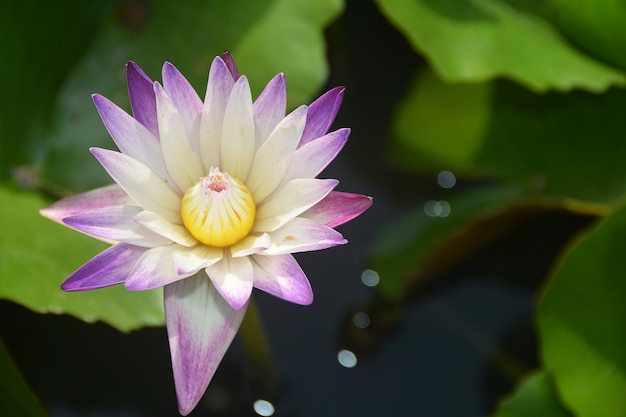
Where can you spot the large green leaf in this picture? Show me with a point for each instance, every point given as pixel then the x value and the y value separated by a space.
pixel 581 322
pixel 265 37
pixel 477 40
pixel 16 397
pixel 552 144
pixel 37 254
pixel 534 397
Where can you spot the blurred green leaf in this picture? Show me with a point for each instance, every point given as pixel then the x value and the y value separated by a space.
pixel 553 144
pixel 266 37
pixel 36 255
pixel 16 397
pixel 478 40
pixel 534 397
pixel 581 322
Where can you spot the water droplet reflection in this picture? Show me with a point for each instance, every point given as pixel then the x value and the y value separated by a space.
pixel 263 408
pixel 446 179
pixel 347 358
pixel 361 320
pixel 434 208
pixel 370 278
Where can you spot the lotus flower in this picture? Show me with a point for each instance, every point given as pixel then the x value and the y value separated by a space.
pixel 211 200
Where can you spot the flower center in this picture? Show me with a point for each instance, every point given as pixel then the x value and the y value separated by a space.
pixel 218 210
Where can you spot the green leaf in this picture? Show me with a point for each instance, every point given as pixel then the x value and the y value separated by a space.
pixel 478 40
pixel 266 37
pixel 36 255
pixel 534 397
pixel 581 322
pixel 564 145
pixel 16 397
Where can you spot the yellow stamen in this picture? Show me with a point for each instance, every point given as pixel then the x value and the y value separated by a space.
pixel 218 210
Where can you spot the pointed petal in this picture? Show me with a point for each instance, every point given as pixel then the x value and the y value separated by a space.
pixel 185 100
pixel 230 63
pixel 250 244
pixel 322 114
pixel 338 208
pixel 109 267
pixel 292 199
pixel 200 328
pixel 183 164
pixel 170 231
pixel 108 196
pixel 116 224
pixel 166 264
pixel 218 90
pixel 232 278
pixel 269 108
pixel 302 235
pixel 282 277
pixel 309 160
pixel 141 183
pixel 272 160
pixel 142 97
pixel 131 137
pixel 237 140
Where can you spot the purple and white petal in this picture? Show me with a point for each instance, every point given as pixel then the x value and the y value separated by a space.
pixel 141 96
pixel 253 243
pixel 115 224
pixel 322 114
pixel 158 267
pixel 269 108
pixel 109 267
pixel 200 328
pixel 303 235
pixel 273 158
pixel 190 260
pixel 309 160
pixel 233 278
pixel 171 231
pixel 237 140
pixel 107 196
pixel 293 198
pixel 338 208
pixel 183 164
pixel 141 183
pixel 131 137
pixel 218 91
pixel 231 65
pixel 282 277
pixel 186 101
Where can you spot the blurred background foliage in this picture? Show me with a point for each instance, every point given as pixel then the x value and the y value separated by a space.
pixel 519 107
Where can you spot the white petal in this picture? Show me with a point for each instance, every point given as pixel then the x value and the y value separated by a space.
pixel 269 108
pixel 141 183
pixel 250 244
pixel 233 278
pixel 183 164
pixel 302 235
pixel 237 140
pixel 200 328
pixel 292 199
pixel 273 158
pixel 282 277
pixel 172 231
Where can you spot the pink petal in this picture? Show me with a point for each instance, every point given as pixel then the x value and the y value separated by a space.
pixel 130 136
pixel 322 114
pixel 115 224
pixel 303 235
pixel 233 278
pixel 109 267
pixel 282 277
pixel 269 108
pixel 108 196
pixel 142 97
pixel 338 208
pixel 200 328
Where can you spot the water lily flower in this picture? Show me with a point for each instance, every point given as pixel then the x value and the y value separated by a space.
pixel 211 200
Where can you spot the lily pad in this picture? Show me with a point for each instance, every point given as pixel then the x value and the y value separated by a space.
pixel 479 40
pixel 36 255
pixel 581 318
